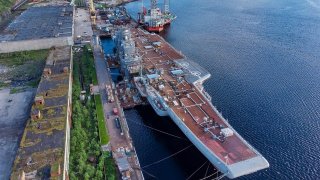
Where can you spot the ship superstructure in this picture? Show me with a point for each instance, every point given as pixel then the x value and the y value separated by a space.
pixel 172 85
pixel 126 52
pixel 154 19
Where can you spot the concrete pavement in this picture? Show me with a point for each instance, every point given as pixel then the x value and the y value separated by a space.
pixel 14 112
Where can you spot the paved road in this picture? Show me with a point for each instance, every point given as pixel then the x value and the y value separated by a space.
pixel 82 25
pixel 103 78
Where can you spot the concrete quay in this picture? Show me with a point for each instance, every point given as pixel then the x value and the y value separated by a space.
pixel 120 144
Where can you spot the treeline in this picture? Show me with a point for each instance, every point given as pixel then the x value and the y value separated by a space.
pixel 80 3
pixel 88 71
pixel 87 161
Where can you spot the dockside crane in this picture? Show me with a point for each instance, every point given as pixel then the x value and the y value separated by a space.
pixel 92 12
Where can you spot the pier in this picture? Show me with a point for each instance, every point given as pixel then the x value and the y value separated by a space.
pixel 121 143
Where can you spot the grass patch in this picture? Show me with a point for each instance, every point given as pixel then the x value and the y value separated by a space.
pixel 59 91
pixel 110 167
pixel 3 85
pixel 104 138
pixel 19 58
pixel 6 4
pixel 25 67
pixel 95 79
pixel 17 90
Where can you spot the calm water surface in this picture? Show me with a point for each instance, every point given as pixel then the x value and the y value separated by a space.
pixel 264 57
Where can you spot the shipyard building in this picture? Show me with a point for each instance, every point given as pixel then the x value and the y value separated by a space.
pixel 39 27
pixel 44 147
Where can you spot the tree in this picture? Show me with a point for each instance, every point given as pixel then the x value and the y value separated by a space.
pixel 100 163
pixel 90 170
pixel 99 174
pixel 86 176
pixel 72 176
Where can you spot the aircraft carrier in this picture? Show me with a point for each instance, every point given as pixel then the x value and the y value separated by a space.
pixel 172 84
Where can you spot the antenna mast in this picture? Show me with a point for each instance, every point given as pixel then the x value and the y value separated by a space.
pixel 153 4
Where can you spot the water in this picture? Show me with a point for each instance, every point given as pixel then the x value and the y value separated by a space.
pixel 108 47
pixel 264 59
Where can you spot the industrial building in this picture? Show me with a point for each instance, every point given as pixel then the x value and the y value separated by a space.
pixel 39 27
pixel 44 147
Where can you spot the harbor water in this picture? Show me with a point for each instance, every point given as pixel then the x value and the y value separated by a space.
pixel 264 59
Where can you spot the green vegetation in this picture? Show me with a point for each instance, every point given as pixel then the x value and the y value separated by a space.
pixel 61 90
pixel 5 5
pixel 87 161
pixel 110 167
pixel 17 90
pixel 48 128
pixel 14 90
pixel 50 155
pixel 24 68
pixel 88 62
pixel 80 3
pixel 104 138
pixel 84 147
pixel 2 84
pixel 19 58
pixel 55 167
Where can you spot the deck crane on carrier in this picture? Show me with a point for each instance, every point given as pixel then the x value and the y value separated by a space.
pixel 154 20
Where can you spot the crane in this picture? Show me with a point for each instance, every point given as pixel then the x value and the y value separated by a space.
pixel 153 4
pixel 92 12
pixel 166 7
